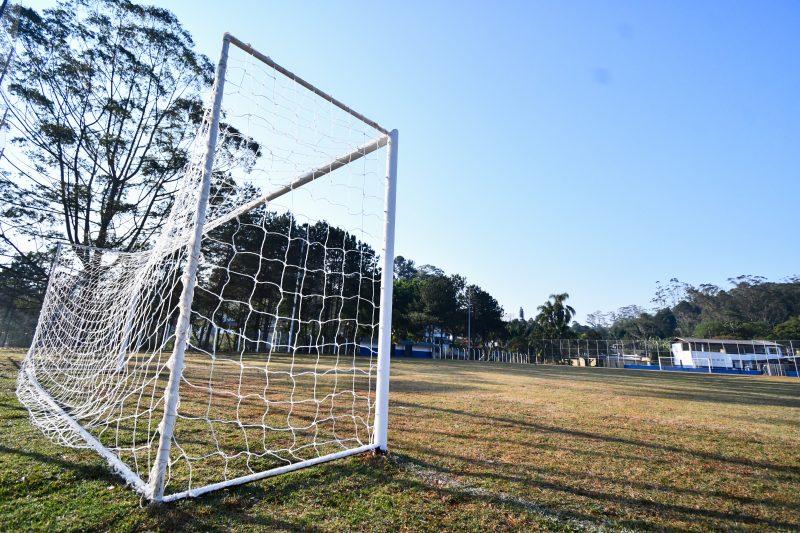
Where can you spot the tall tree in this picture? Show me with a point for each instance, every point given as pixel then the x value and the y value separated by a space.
pixel 555 316
pixel 404 268
pixel 104 99
pixel 487 316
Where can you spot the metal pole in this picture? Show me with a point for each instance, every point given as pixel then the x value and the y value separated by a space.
pixel 387 280
pixel 155 485
pixel 469 317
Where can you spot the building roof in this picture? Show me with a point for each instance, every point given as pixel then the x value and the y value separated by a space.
pixel 727 341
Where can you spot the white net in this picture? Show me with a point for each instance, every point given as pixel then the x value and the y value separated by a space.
pixel 280 364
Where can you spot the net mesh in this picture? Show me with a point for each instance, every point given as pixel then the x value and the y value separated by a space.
pixel 280 365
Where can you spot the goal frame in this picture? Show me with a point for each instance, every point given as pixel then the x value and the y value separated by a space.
pixel 153 488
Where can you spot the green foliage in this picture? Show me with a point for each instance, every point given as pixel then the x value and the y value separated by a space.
pixel 710 329
pixel 404 268
pixel 426 300
pixel 22 285
pixel 643 325
pixel 752 308
pixel 732 329
pixel 105 98
pixel 789 329
pixel 487 316
pixel 555 316
pixel 260 258
pixel 103 101
pixel 748 305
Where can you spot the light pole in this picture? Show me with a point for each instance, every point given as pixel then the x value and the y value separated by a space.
pixel 469 319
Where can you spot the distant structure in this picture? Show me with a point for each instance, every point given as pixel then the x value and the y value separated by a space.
pixel 723 353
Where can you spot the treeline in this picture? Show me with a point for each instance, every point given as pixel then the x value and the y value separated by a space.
pixel 266 274
pixel 430 305
pixel 751 308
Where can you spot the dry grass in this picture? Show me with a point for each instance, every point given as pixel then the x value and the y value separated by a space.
pixel 643 449
pixel 477 447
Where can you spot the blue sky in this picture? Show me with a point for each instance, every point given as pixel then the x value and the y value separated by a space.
pixel 583 147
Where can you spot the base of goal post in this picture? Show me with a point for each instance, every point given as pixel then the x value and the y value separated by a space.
pixel 114 462
pixel 267 473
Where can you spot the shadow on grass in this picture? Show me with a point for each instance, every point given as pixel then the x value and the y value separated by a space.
pixel 371 476
pixel 84 470
pixel 727 389
pixel 412 385
pixel 777 470
pixel 646 505
pixel 451 482
pixel 185 517
pixel 260 503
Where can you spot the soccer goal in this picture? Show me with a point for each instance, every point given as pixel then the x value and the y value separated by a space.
pixel 253 338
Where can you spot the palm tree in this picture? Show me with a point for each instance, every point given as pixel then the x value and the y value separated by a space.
pixel 555 316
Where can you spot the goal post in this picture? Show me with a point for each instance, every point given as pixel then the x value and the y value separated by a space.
pixel 155 484
pixel 387 284
pixel 254 337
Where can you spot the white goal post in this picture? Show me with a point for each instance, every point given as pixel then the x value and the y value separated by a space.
pixel 254 337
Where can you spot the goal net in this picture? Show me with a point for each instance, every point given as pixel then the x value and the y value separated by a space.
pixel 253 337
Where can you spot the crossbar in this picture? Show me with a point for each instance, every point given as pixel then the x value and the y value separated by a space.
pixel 308 177
pixel 294 77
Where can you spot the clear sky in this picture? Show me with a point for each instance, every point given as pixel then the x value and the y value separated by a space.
pixel 585 147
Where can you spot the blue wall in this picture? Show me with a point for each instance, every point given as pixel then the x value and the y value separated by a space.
pixel 690 369
pixel 398 352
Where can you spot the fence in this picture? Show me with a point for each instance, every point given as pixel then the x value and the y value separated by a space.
pixel 482 354
pixel 644 354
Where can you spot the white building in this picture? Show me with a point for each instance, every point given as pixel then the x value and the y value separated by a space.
pixel 724 353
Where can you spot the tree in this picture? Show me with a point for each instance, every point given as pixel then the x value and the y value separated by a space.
pixel 790 329
pixel 430 271
pixel 404 297
pixel 104 99
pixel 517 333
pixel 687 316
pixel 555 316
pixel 585 332
pixel 425 301
pixel 665 323
pixel 430 300
pixel 404 268
pixel 21 295
pixel 295 273
pixel 670 293
pixel 438 303
pixel 752 308
pixel 487 316
pixel 635 323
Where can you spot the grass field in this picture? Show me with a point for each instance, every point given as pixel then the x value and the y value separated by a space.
pixel 475 447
